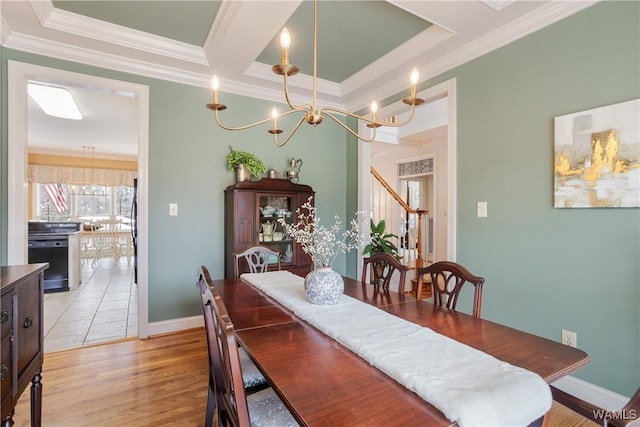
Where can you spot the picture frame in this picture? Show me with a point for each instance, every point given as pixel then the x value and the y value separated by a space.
pixel 597 157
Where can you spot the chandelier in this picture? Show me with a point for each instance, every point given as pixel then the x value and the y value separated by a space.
pixel 92 189
pixel 310 112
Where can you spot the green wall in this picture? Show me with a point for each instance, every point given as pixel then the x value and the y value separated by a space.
pixel 547 269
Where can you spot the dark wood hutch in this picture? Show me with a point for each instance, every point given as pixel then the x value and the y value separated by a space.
pixel 251 212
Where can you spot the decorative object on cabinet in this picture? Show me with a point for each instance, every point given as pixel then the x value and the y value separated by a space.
pixel 243 162
pixel 311 113
pixel 251 211
pixel 294 173
pixel 22 290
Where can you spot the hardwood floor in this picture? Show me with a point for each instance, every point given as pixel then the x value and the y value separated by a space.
pixel 161 381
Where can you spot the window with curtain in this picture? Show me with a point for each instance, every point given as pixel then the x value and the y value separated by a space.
pixel 62 202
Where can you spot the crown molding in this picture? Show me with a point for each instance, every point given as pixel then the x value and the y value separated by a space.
pixel 84 26
pixel 390 85
pixel 221 25
pixel 386 85
pixel 542 17
pixel 94 58
pixel 5 30
pixel 300 81
pixel 497 5
pixel 275 94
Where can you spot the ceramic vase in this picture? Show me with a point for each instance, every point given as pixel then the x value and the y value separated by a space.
pixel 323 286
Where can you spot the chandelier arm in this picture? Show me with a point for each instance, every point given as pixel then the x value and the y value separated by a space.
pixel 293 131
pixel 347 128
pixel 305 107
pixel 240 127
pixel 397 125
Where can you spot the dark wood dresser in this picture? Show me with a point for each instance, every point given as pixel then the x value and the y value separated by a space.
pixel 22 337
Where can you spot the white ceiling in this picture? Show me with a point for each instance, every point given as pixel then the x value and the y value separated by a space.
pixel 233 34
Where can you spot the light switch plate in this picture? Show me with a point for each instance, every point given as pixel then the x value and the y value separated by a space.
pixel 482 209
pixel 173 209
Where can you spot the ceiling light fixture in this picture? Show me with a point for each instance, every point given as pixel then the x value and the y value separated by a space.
pixel 54 101
pixel 92 189
pixel 311 113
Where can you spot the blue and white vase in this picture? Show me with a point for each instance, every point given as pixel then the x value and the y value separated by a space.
pixel 323 286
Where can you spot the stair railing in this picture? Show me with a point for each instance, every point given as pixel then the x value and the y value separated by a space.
pixel 388 205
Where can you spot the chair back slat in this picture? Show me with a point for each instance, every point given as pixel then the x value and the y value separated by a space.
pixel 380 267
pixel 257 258
pixel 447 280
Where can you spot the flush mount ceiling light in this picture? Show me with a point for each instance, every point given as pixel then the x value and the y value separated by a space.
pixel 310 112
pixel 55 101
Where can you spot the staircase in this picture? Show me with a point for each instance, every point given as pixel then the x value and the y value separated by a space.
pixel 403 221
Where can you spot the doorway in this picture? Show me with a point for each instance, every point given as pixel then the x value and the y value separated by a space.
pixel 418 192
pixel 426 120
pixel 18 76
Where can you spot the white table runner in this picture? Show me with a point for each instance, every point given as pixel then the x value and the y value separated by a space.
pixel 470 387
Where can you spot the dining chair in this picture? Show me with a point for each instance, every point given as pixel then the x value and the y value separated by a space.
pixel 257 258
pixel 381 267
pixel 235 407
pixel 447 280
pixel 252 378
pixel 628 415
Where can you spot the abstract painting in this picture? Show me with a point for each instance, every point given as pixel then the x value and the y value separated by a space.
pixel 597 157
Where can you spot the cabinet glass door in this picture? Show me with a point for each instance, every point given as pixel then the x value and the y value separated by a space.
pixel 271 232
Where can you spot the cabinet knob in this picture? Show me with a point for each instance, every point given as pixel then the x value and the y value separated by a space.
pixel 28 322
pixel 4 318
pixel 3 372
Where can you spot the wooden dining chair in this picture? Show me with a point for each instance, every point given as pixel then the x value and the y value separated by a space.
pixel 447 280
pixel 235 407
pixel 628 415
pixel 257 258
pixel 380 267
pixel 252 378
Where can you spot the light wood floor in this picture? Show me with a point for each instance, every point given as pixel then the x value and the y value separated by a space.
pixel 161 381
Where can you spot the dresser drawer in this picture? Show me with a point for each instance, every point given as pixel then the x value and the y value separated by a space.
pixel 6 314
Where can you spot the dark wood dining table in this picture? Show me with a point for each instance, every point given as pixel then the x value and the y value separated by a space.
pixel 325 384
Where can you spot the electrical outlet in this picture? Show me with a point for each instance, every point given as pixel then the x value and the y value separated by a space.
pixel 569 338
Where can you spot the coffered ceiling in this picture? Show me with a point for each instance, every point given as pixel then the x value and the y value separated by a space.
pixel 366 49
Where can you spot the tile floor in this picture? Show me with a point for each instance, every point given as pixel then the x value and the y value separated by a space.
pixel 103 308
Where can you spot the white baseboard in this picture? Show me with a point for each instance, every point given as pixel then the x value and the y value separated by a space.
pixel 175 325
pixel 597 395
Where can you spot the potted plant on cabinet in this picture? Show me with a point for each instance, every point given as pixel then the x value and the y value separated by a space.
pixel 245 164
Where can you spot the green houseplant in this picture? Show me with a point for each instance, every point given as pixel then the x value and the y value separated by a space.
pixel 254 165
pixel 381 241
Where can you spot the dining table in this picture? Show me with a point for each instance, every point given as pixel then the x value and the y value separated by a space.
pixel 323 383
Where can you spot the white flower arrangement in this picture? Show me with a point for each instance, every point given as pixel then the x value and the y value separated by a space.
pixel 322 243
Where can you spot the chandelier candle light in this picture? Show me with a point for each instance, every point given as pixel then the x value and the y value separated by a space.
pixel 311 114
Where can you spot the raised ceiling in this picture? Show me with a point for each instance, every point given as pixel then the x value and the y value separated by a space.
pixel 366 49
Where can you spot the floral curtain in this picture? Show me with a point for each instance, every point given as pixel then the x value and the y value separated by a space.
pixel 71 175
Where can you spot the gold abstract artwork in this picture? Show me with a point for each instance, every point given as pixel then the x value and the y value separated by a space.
pixel 597 157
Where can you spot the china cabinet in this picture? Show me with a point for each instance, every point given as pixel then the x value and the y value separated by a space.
pixel 252 210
